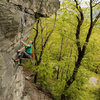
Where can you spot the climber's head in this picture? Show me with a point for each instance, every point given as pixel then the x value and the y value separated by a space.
pixel 31 42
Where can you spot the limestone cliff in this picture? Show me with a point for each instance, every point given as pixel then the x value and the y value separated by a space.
pixel 17 18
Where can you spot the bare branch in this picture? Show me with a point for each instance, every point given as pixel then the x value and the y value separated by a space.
pixel 91 27
pixel 91 13
pixel 76 4
pixel 35 41
pixel 50 32
pixel 35 29
pixel 80 56
pixel 42 29
pixel 96 19
pixel 96 4
pixel 43 46
pixel 55 20
pixel 80 21
pixel 77 36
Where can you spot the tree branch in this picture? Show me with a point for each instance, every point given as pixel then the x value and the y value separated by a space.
pixel 91 14
pixel 35 41
pixel 42 29
pixel 51 30
pixel 43 46
pixel 96 4
pixel 96 19
pixel 80 21
pixel 77 36
pixel 92 23
pixel 34 29
pixel 80 55
pixel 76 4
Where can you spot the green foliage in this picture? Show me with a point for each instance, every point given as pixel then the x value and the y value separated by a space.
pixel 50 64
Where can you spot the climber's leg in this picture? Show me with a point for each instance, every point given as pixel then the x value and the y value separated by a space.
pixel 24 55
pixel 27 55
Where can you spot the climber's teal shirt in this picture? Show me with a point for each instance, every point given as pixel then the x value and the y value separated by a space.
pixel 28 49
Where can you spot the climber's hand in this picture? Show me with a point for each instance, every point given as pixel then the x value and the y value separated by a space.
pixel 18 51
pixel 22 42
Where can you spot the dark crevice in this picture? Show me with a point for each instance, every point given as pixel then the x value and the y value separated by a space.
pixel 28 12
pixel 7 0
pixel 20 7
pixel 38 15
pixel 25 19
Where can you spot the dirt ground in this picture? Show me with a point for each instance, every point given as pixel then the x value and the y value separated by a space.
pixel 31 89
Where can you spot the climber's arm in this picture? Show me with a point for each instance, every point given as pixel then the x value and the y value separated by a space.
pixel 22 49
pixel 27 45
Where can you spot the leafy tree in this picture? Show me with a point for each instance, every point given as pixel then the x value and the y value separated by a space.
pixel 81 49
pixel 42 35
pixel 66 55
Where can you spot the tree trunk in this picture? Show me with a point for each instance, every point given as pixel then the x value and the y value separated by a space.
pixel 35 77
pixel 58 73
pixel 63 97
pixel 81 53
pixel 60 55
pixel 46 41
pixel 34 43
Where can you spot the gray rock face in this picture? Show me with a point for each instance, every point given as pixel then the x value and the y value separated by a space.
pixel 17 18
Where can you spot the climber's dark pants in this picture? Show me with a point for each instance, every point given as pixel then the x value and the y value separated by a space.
pixel 24 55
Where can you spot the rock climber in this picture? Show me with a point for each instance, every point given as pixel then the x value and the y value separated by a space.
pixel 25 51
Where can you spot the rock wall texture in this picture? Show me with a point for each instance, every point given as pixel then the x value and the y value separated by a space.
pixel 17 18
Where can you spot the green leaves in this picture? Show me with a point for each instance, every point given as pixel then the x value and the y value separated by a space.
pixel 54 73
